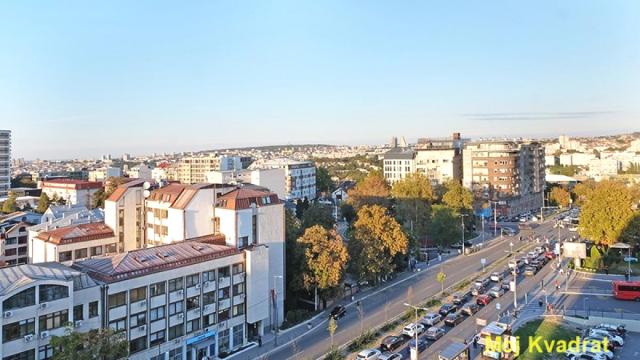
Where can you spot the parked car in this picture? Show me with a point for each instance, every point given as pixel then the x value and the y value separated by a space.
pixel 611 346
pixel 530 271
pixel 550 255
pixel 467 244
pixel 446 309
pixel 338 312
pixel 496 291
pixel 411 329
pixel 390 356
pixel 453 319
pixel 496 276
pixel 513 264
pixel 391 343
pixel 460 297
pixel 434 333
pixel 590 349
pixel 431 319
pixel 470 308
pixel 483 299
pixel 368 354
pixel 422 344
pixel 619 330
pixel 615 339
pixel 584 356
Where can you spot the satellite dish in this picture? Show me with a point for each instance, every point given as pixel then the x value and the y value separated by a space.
pixel 146 185
pixel 146 193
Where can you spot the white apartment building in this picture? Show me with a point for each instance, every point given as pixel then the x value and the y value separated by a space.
pixel 300 178
pixel 272 179
pixel 159 174
pixel 439 163
pixel 186 300
pixel 74 192
pixel 73 243
pixel 600 169
pixel 577 159
pixel 124 213
pixel 38 301
pixel 104 173
pixel 194 169
pixel 5 162
pixel 398 163
pixel 141 171
pixel 14 243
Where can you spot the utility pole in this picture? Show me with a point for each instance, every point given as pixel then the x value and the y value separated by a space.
pixel 415 330
pixel 462 217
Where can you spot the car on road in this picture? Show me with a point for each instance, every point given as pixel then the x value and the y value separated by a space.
pixel 338 312
pixel 422 344
pixel 505 285
pixel 446 309
pixel 390 356
pixel 496 291
pixel 411 329
pixel 369 354
pixel 453 319
pixel 460 297
pixel 496 276
pixel 513 264
pixel 391 343
pixel 482 282
pixel 470 308
pixel 431 319
pixel 434 333
pixel 536 264
pixel 467 244
pixel 530 271
pixel 477 290
pixel 483 299
pixel 550 255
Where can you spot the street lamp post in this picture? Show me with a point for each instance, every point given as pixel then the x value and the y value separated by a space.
pixel 415 328
pixel 462 217
pixel 628 247
pixel 275 305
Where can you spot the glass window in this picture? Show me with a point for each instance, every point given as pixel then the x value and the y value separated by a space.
pixel 118 299
pixel 18 330
pixel 138 344
pixel 175 284
pixel 65 256
pixel 138 319
pixel 176 331
pixel 209 276
pixel 93 309
pixel 238 268
pixel 209 297
pixel 193 302
pixel 53 292
pixel 22 299
pixel 96 251
pixel 223 341
pixel 45 352
pixel 175 307
pixel 137 294
pixel 223 293
pixel 81 253
pixel 175 354
pixel 156 313
pixel 111 248
pixel 238 289
pixel 208 320
pixel 156 289
pixel 223 315
pixel 224 272
pixel 157 338
pixel 119 324
pixel 54 320
pixel 238 310
pixel 78 312
pixel 192 280
pixel 25 355
pixel 238 335
pixel 193 325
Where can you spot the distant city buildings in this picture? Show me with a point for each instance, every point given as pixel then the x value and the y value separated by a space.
pixel 194 169
pixel 5 162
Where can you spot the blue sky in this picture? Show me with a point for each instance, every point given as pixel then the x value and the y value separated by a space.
pixel 83 78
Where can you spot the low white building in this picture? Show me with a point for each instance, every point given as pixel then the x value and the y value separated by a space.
pixel 104 173
pixel 73 243
pixel 576 159
pixel 74 192
pixel 600 169
pixel 398 163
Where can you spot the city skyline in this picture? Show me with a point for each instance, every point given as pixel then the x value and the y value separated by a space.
pixel 148 77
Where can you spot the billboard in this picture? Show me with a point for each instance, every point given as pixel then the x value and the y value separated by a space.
pixel 574 250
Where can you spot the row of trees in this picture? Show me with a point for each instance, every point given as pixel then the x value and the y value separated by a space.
pixel 11 204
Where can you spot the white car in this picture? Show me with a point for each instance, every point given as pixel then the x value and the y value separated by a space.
pixel 411 329
pixel 590 348
pixel 496 291
pixel 496 277
pixel 572 355
pixel 431 319
pixel 513 264
pixel 369 354
pixel 615 339
pixel 390 356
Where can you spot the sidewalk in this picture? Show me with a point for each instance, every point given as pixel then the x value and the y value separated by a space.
pixel 602 277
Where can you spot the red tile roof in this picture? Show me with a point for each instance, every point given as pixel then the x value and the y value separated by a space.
pixel 242 198
pixel 71 184
pixel 77 233
pixel 122 189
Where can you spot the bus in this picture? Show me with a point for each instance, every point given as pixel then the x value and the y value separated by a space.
pixel 626 290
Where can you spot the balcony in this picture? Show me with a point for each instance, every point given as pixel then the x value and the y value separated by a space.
pixel 238 299
pixel 239 278
pixel 224 282
pixel 224 304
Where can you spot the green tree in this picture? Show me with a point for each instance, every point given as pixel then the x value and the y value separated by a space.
pixel 318 214
pixel 105 344
pixel 325 259
pixel 324 183
pixel 457 197
pixel 377 240
pixel 103 194
pixel 631 233
pixel 560 197
pixel 582 191
pixel 606 212
pixel 372 190
pixel 348 212
pixel 10 205
pixel 445 225
pixel 294 257
pixel 441 277
pixel 413 196
pixel 594 261
pixel 43 203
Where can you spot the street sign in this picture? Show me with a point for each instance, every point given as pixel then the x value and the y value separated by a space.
pixel 498 306
pixel 483 261
pixel 481 322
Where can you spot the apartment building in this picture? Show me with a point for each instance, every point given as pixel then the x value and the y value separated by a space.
pixel 300 178
pixel 103 174
pixel 124 213
pixel 600 169
pixel 272 179
pixel 508 174
pixel 38 301
pixel 74 192
pixel 73 243
pixel 194 169
pixel 398 163
pixel 185 300
pixel 439 160
pixel 5 162
pixel 14 243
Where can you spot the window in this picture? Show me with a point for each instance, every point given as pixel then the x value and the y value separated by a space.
pixel 93 309
pixel 175 307
pixel 192 280
pixel 238 268
pixel 81 253
pixel 223 272
pixel 138 319
pixel 175 284
pixel 25 355
pixel 176 331
pixel 157 338
pixel 209 276
pixel 11 252
pixel 254 226
pixel 193 302
pixel 118 299
pixel 243 242
pixel 238 289
pixel 53 292
pixel 137 294
pixel 45 352
pixel 223 293
pixel 96 251
pixel 22 299
pixel 223 315
pixel 156 313
pixel 193 325
pixel 208 320
pixel 223 341
pixel 65 256
pixel 78 312
pixel 156 289
pixel 54 320
pixel 175 354
pixel 238 335
pixel 119 324
pixel 18 330
pixel 111 248
pixel 238 310
pixel 209 298
pixel 138 344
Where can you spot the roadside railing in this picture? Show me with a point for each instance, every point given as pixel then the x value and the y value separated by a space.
pixel 591 313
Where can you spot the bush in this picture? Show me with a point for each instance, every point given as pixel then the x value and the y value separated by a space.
pixel 294 317
pixel 432 303
pixel 334 354
pixel 362 341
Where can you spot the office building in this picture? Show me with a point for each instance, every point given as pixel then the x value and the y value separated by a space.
pixel 5 162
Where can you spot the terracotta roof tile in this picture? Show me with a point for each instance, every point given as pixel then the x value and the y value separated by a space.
pixel 242 198
pixel 77 233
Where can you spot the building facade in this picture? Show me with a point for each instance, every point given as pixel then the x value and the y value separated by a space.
pixel 398 163
pixel 194 169
pixel 300 178
pixel 73 243
pixel 272 179
pixel 74 192
pixel 5 162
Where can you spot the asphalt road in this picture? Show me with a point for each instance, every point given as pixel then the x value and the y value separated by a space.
pixel 380 308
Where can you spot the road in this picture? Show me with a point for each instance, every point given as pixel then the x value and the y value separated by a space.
pixel 387 304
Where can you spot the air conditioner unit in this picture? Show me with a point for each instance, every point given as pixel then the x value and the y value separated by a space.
pixel 197 286
pixel 77 323
pixel 142 328
pixel 7 314
pixel 143 303
pixel 28 338
pixel 44 334
pixel 205 284
pixel 44 305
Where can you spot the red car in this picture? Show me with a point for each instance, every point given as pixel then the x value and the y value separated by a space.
pixel 483 299
pixel 550 255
